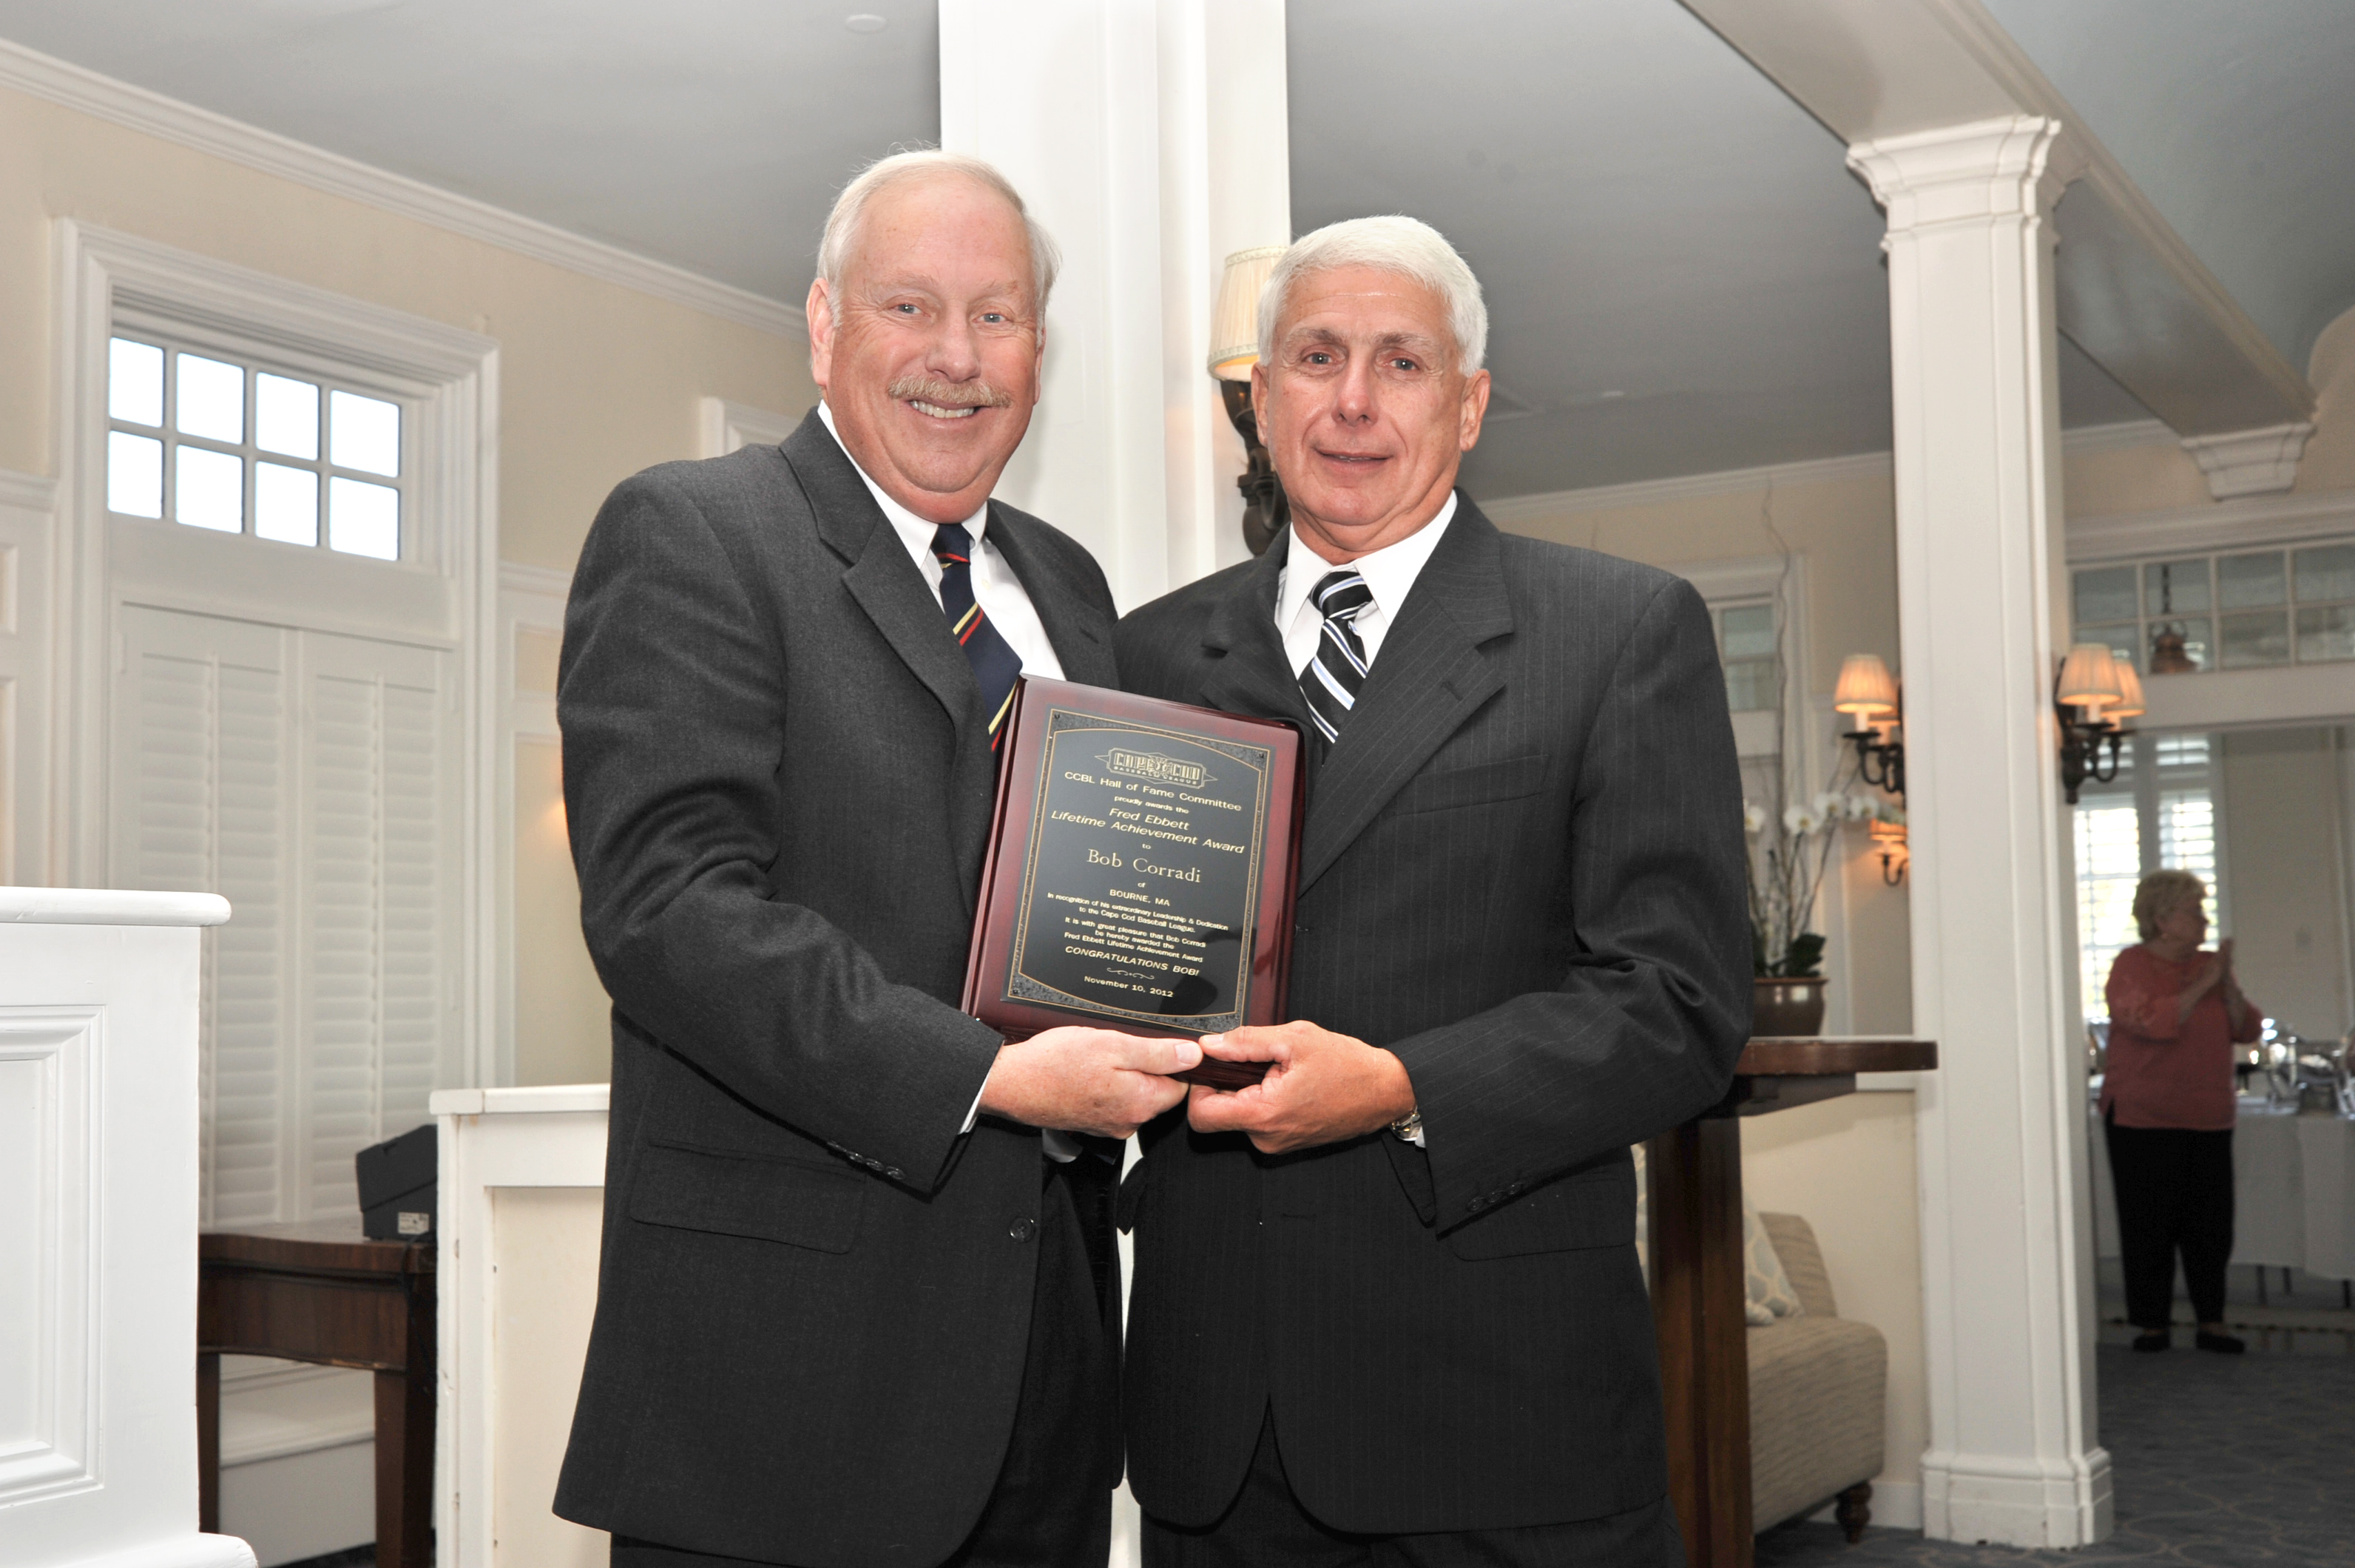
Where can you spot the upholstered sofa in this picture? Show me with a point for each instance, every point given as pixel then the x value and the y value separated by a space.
pixel 1818 1387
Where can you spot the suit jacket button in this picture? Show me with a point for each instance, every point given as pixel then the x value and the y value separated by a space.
pixel 1516 1190
pixel 1022 1230
pixel 1477 1203
pixel 895 1173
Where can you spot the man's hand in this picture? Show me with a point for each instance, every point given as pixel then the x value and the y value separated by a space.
pixel 1081 1080
pixel 1321 1088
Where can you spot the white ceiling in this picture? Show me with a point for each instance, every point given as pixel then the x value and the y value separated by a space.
pixel 1682 276
pixel 2237 119
pixel 712 134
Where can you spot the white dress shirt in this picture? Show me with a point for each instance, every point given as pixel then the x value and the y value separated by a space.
pixel 995 587
pixel 1389 573
pixel 1007 605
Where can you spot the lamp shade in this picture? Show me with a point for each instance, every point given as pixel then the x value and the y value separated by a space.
pixel 1234 324
pixel 2089 676
pixel 1865 688
pixel 2129 704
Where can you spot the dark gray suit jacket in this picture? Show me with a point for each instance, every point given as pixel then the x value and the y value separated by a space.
pixel 815 1296
pixel 1522 872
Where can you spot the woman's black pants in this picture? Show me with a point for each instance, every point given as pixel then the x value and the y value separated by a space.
pixel 2175 1194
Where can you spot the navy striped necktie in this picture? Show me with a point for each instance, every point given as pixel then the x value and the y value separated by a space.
pixel 995 663
pixel 1338 673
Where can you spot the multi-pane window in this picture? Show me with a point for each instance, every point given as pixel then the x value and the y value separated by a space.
pixel 214 443
pixel 2248 610
pixel 1746 646
pixel 2159 814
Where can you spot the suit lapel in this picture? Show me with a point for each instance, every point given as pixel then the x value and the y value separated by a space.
pixel 884 582
pixel 881 577
pixel 1430 677
pixel 1251 674
pixel 1076 626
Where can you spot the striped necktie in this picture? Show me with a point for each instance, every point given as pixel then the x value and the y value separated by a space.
pixel 1338 673
pixel 995 663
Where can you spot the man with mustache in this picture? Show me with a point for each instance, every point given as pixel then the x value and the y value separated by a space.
pixel 1387 1307
pixel 857 1302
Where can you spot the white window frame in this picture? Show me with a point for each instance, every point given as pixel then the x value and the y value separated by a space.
pixel 443 593
pixel 2267 696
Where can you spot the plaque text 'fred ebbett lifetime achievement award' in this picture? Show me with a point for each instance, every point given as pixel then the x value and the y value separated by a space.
pixel 1141 872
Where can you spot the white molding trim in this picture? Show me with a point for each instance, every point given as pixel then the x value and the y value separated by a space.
pixel 1507 510
pixel 2250 461
pixel 74 87
pixel 2248 522
pixel 722 427
pixel 542 582
pixel 109 906
pixel 2119 437
pixel 33 492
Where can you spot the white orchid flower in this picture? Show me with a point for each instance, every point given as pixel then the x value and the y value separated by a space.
pixel 1862 808
pixel 1798 821
pixel 1828 807
pixel 1754 819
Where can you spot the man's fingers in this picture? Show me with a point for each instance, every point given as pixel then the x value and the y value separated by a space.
pixel 1250 1043
pixel 1160 1056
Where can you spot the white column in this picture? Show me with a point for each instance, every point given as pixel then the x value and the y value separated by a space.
pixel 2006 1258
pixel 97 1230
pixel 1149 137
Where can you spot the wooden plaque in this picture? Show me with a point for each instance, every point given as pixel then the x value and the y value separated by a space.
pixel 1140 871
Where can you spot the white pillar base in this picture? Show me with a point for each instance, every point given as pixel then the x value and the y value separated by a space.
pixel 1994 1499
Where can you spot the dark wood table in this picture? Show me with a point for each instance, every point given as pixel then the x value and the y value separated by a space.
pixel 1694 1194
pixel 320 1291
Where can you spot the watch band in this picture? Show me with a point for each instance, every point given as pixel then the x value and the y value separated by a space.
pixel 1409 1127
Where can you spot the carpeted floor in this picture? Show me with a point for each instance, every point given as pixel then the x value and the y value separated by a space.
pixel 2219 1461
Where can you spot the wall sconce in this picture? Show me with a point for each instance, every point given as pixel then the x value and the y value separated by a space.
pixel 1867 693
pixel 1234 339
pixel 1894 856
pixel 2091 680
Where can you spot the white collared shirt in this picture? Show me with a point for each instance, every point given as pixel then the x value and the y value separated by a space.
pixel 1389 573
pixel 995 588
pixel 1007 605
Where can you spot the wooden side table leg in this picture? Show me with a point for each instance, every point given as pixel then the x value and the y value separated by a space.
pixel 1694 1177
pixel 404 1469
pixel 209 1442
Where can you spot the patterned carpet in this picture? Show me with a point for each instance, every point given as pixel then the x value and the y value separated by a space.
pixel 2221 1461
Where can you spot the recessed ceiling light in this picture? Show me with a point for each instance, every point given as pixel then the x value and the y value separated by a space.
pixel 865 22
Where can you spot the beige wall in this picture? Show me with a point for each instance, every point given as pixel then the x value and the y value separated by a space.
pixel 1847 1166
pixel 596 382
pixel 1844 531
pixel 2283 893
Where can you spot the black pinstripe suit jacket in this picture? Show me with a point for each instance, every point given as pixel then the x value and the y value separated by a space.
pixel 813 1301
pixel 1522 872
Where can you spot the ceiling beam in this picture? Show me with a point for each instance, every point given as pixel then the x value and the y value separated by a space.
pixel 2131 293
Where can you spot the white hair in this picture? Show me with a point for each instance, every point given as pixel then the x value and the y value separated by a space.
pixel 841 236
pixel 1391 243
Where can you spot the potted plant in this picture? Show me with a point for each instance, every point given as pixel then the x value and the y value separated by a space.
pixel 1789 854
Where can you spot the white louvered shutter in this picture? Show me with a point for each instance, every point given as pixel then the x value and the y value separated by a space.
pixel 377 842
pixel 310 779
pixel 200 800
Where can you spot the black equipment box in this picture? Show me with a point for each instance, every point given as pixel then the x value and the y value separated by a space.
pixel 398 1180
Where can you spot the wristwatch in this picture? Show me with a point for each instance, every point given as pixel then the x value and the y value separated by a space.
pixel 1409 1127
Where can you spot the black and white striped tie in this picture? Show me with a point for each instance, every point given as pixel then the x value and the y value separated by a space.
pixel 1338 673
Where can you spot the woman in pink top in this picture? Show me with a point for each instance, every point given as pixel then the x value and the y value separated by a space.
pixel 2167 1107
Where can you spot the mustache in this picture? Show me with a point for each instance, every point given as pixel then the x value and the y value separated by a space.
pixel 948 394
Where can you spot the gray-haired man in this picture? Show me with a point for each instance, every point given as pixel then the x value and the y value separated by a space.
pixel 849 1310
pixel 1387 1307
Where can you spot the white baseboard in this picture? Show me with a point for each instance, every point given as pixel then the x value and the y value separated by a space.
pixel 187 1552
pixel 1896 1505
pixel 1996 1499
pixel 272 1409
pixel 302 1505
